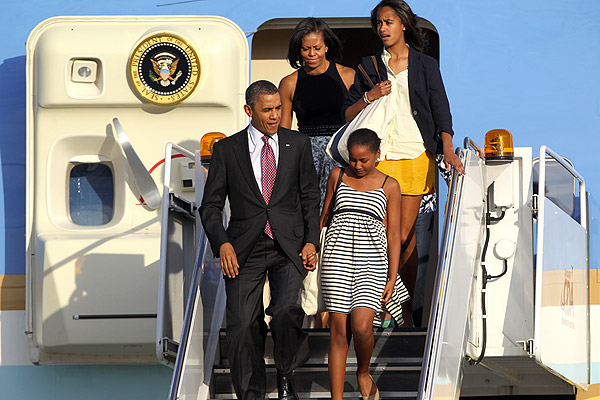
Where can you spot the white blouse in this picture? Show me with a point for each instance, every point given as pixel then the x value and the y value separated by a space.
pixel 404 140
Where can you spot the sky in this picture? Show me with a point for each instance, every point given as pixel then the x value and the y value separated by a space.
pixel 527 66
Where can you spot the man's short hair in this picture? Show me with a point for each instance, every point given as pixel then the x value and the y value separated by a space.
pixel 258 88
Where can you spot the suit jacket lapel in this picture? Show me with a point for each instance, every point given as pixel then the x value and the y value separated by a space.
pixel 413 71
pixel 243 158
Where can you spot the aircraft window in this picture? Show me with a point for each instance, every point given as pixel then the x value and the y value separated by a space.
pixel 91 194
pixel 560 186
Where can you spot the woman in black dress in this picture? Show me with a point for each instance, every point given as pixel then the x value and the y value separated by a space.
pixel 316 91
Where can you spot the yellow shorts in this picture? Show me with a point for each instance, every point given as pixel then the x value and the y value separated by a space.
pixel 416 176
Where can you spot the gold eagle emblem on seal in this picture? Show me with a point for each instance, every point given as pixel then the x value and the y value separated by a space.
pixel 164 69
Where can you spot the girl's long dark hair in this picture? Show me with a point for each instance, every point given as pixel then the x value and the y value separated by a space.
pixel 413 34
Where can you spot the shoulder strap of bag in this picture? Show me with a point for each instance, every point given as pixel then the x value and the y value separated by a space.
pixel 376 69
pixel 362 70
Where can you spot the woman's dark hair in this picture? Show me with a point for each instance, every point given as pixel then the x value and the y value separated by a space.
pixel 413 34
pixel 310 25
pixel 364 137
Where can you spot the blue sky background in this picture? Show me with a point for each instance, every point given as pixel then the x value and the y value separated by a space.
pixel 527 66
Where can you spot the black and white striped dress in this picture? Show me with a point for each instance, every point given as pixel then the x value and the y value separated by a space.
pixel 354 267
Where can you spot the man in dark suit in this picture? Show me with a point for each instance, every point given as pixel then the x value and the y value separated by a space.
pixel 267 172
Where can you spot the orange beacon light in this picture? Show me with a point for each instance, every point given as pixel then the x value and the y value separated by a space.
pixel 206 144
pixel 498 145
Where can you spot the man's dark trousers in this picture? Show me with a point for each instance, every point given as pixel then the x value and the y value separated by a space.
pixel 246 328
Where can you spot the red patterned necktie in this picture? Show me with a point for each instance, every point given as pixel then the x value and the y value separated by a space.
pixel 269 170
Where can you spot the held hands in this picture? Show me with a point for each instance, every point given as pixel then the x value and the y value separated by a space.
pixel 387 292
pixel 229 263
pixel 309 256
pixel 379 90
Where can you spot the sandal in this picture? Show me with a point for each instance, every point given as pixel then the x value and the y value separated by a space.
pixel 374 396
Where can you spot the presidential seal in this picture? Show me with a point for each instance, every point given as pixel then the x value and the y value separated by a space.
pixel 164 69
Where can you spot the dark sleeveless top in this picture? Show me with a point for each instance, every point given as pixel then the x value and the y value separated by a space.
pixel 318 101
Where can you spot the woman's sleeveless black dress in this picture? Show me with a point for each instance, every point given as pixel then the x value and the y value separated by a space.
pixel 317 102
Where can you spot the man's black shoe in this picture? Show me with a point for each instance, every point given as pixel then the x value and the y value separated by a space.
pixel 285 388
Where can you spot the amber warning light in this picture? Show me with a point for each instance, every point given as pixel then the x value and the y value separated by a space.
pixel 207 142
pixel 499 145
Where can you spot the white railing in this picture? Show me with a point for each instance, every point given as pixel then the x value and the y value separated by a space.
pixel 441 374
pixel 205 303
pixel 562 302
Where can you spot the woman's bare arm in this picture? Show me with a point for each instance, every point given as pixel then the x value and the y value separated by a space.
pixel 287 87
pixel 379 90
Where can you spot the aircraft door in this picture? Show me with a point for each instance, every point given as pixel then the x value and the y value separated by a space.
pixel 93 223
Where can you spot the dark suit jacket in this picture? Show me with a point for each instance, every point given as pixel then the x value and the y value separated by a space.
pixel 428 100
pixel 293 208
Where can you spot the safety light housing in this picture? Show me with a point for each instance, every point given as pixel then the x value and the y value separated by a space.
pixel 498 145
pixel 206 144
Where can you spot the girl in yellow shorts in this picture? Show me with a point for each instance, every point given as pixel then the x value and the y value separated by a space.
pixel 421 125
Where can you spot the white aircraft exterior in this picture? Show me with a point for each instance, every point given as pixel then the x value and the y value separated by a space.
pixel 527 67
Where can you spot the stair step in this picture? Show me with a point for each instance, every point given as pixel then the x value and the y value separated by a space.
pixel 395 366
pixel 381 361
pixel 389 343
pixel 327 395
pixel 314 378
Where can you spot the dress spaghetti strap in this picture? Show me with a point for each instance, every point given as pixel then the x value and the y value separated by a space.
pixel 384 181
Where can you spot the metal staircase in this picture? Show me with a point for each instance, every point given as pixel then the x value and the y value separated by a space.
pixel 395 366
pixel 201 368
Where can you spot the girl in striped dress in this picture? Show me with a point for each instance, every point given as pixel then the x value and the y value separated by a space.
pixel 358 270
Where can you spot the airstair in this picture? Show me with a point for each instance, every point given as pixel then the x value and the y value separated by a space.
pixel 465 344
pixel 396 367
